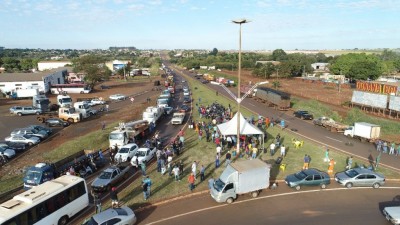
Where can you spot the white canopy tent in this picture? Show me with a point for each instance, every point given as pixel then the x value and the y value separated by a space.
pixel 246 128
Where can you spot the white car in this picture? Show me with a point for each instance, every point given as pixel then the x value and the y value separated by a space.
pixel 392 214
pixel 186 93
pixel 185 89
pixel 26 139
pixel 117 216
pixel 9 153
pixel 96 101
pixel 118 97
pixel 126 152
pixel 143 154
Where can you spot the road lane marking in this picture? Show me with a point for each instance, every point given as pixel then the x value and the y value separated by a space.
pixel 251 104
pixel 260 198
pixel 333 139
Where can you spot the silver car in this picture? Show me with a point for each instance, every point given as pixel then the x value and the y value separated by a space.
pixel 30 131
pixel 123 215
pixel 360 177
pixel 9 153
pixel 25 110
pixel 26 139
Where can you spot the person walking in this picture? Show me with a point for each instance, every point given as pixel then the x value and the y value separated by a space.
pixel 202 173
pixel 200 134
pixel 378 145
pixel 96 201
pixel 349 162
pixel 331 166
pixel 149 183
pixel 228 157
pixel 306 162
pixel 326 159
pixel 398 150
pixel 217 160
pixel 143 168
pixel 385 147
pixel 103 125
pixel 254 152
pixel 191 180
pixel 114 198
pixel 283 151
pixel 392 147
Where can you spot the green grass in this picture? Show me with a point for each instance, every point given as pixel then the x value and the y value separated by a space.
pixel 10 183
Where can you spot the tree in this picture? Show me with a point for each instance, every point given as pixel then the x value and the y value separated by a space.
pixel 94 68
pixel 214 52
pixel 363 70
pixel 279 55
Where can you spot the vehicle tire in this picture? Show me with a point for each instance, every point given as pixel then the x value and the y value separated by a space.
pixel 37 113
pixel 323 186
pixel 128 159
pixel 254 194
pixel 30 144
pixel 349 185
pixel 70 120
pixel 376 185
pixel 298 187
pixel 229 200
pixel 82 92
pixel 19 114
pixel 63 220
pixel 40 119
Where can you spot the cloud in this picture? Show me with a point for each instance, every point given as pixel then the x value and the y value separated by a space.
pixel 155 2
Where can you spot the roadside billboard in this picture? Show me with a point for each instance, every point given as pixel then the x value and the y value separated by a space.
pixel 394 103
pixel 376 87
pixel 369 99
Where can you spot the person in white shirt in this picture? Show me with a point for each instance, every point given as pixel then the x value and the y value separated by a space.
pixel 272 148
pixel 194 168
pixel 283 151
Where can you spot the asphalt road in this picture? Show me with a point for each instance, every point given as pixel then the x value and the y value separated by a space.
pixel 310 132
pixel 282 206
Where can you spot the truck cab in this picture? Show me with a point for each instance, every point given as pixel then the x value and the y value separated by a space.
pixel 84 109
pixel 70 115
pixel 64 100
pixel 177 118
pixel 38 174
pixel 41 102
pixel 152 114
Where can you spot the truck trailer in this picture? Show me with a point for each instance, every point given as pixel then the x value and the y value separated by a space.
pixel 363 131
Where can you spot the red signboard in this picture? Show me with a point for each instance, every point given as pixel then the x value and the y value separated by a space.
pixel 376 87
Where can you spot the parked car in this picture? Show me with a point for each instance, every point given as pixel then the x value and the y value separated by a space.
pixel 110 177
pixel 309 177
pixel 184 108
pixel 117 216
pixel 41 128
pixel 392 214
pixel 126 152
pixel 33 132
pixel 143 154
pixel 56 122
pixel 118 97
pixel 360 177
pixel 204 81
pixel 186 93
pixel 26 139
pixel 18 147
pixel 96 101
pixel 9 153
pixel 25 110
pixel 303 115
pixel 187 99
pixel 185 89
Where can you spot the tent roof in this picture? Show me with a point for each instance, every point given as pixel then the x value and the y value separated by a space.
pixel 230 127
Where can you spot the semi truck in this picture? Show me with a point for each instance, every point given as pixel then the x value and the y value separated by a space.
pixel 363 131
pixel 241 177
pixel 125 131
pixel 41 102
pixel 66 114
pixel 278 99
pixel 85 109
pixel 64 100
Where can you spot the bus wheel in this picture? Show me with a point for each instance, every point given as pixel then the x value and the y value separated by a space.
pixel 70 121
pixel 63 220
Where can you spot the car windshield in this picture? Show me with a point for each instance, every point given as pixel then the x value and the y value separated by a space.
pixel 300 175
pixel 219 185
pixel 123 150
pixel 91 221
pixel 351 173
pixel 27 136
pixel 140 153
pixel 105 175
pixel 33 175
pixel 119 136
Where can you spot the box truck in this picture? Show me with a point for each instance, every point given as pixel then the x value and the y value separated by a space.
pixel 363 131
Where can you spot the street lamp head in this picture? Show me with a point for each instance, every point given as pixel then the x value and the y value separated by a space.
pixel 240 21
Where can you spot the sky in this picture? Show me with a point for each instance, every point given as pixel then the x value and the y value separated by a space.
pixel 200 24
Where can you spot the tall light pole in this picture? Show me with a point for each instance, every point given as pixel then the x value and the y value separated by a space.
pixel 240 22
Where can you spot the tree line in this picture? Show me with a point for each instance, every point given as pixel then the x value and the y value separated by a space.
pixel 353 65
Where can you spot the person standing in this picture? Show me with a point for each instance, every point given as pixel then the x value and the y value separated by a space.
pixel 176 172
pixel 107 107
pixel 349 162
pixel 145 186
pixel 114 198
pixel 385 147
pixel 326 159
pixel 191 180
pixel 379 145
pixel 306 162
pixel 103 125
pixel 218 150
pixel 96 201
pixel 143 168
pixel 272 149
pixel 392 146
pixel 283 151
pixel 202 172
pixel 228 157
pixel 149 183
pixel 200 134
pixel 254 152
pixel 194 168
pixel 331 166
pixel 217 160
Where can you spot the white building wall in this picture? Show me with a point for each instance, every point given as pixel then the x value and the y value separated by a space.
pixel 11 86
pixel 52 65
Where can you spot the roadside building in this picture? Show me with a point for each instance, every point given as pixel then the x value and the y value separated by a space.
pixel 10 82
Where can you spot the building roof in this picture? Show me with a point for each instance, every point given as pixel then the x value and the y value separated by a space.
pixel 19 77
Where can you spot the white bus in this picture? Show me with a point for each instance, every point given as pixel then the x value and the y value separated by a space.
pixel 70 88
pixel 53 202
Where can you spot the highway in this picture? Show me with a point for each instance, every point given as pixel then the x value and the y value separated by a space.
pixel 308 131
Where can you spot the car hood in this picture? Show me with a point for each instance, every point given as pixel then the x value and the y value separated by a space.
pixel 393 211
pixel 100 182
pixel 140 159
pixel 291 178
pixel 124 156
pixel 342 176
pixel 9 152
pixel 33 138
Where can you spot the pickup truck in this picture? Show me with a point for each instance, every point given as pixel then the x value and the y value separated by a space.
pixel 177 118
pixel 143 154
pixel 330 124
pixel 110 177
